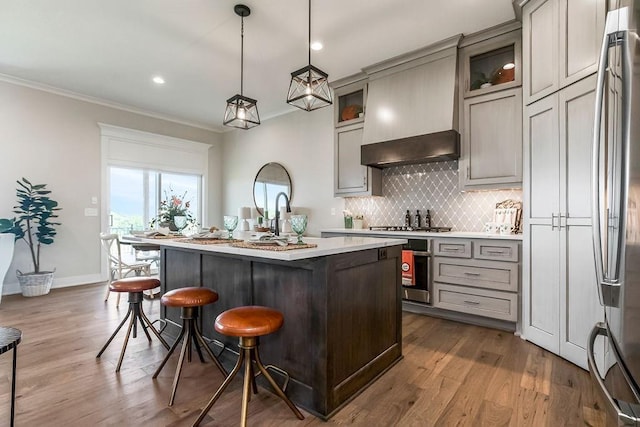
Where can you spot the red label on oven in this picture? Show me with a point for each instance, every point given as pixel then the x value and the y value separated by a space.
pixel 408 269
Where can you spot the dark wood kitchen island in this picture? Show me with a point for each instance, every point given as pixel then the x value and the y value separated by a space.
pixel 341 303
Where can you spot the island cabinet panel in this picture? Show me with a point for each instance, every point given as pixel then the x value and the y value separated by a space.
pixel 342 315
pixel 185 271
pixel 362 324
pixel 283 288
pixel 222 274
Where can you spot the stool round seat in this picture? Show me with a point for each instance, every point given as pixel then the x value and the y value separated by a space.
pixel 189 297
pixel 134 284
pixel 249 321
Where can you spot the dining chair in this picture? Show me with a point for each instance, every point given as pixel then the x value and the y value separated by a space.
pixel 119 269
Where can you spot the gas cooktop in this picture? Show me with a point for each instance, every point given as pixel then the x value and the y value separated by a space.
pixel 405 228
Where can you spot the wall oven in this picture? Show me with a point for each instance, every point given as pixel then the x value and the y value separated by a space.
pixel 416 270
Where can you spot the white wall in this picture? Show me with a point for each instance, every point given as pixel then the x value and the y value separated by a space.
pixel 53 139
pixel 303 143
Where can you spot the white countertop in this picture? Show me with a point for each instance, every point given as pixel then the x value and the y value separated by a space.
pixel 424 234
pixel 326 246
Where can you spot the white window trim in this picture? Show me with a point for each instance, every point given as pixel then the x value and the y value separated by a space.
pixel 138 149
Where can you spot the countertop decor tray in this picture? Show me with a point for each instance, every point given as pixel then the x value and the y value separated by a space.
pixel 274 247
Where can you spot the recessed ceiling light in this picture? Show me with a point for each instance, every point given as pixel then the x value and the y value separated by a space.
pixel 158 80
pixel 316 46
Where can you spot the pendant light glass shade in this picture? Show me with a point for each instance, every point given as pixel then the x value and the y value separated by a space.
pixel 309 88
pixel 241 111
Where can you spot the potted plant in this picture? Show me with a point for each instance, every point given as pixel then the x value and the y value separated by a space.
pixel 174 212
pixel 33 225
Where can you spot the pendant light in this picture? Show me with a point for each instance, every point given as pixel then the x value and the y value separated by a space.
pixel 241 111
pixel 309 88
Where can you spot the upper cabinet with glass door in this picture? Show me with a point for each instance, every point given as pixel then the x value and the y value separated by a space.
pixel 491 65
pixel 350 101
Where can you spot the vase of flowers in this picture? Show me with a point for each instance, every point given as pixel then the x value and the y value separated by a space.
pixel 174 212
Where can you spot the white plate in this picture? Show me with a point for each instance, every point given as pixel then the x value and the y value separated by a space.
pixel 269 240
pixel 208 236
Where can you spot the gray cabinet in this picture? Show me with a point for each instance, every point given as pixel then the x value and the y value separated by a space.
pixel 560 298
pixel 491 109
pixel 350 177
pixel 492 141
pixel 561 43
pixel 480 277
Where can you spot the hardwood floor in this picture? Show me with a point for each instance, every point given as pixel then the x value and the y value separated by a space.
pixel 451 374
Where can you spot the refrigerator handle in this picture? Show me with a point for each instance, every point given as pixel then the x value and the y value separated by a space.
pixel 595 165
pixel 619 220
pixel 623 417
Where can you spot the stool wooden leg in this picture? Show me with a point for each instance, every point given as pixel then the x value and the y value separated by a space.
pixel 171 350
pixel 246 387
pixel 13 384
pixel 186 343
pixel 124 346
pixel 253 381
pixel 221 389
pixel 194 339
pixel 106 297
pixel 275 386
pixel 137 312
pixel 115 333
pixel 209 352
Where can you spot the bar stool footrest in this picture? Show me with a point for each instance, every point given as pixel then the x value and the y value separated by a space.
pixel 164 324
pixel 279 370
pixel 220 344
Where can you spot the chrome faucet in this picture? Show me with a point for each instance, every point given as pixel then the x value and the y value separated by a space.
pixel 286 199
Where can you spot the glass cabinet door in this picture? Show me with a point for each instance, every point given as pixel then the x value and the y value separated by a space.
pixel 491 65
pixel 492 68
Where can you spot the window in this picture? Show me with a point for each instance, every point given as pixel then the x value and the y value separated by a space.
pixel 135 195
pixel 138 167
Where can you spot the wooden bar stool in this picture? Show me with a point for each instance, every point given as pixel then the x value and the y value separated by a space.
pixel 189 300
pixel 134 286
pixel 248 323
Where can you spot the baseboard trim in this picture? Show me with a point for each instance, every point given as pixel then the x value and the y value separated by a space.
pixel 11 288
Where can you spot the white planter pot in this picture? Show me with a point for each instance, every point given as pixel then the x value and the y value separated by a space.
pixel 35 284
pixel 7 241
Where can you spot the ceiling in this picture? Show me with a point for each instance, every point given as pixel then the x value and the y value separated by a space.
pixel 109 50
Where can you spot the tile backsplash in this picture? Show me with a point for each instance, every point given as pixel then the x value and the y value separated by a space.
pixel 432 186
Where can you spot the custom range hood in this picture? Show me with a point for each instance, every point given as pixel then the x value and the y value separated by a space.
pixel 412 108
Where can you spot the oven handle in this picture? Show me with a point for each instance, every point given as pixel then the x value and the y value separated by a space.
pixel 421 253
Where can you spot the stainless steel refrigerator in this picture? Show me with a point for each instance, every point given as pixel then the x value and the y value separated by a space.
pixel 614 345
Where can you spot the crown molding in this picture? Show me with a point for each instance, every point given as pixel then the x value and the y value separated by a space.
pixel 99 101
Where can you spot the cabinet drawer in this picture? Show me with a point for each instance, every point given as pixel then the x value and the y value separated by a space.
pixel 502 276
pixel 496 250
pixel 481 302
pixel 452 247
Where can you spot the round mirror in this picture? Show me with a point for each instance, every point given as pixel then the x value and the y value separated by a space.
pixel 271 179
